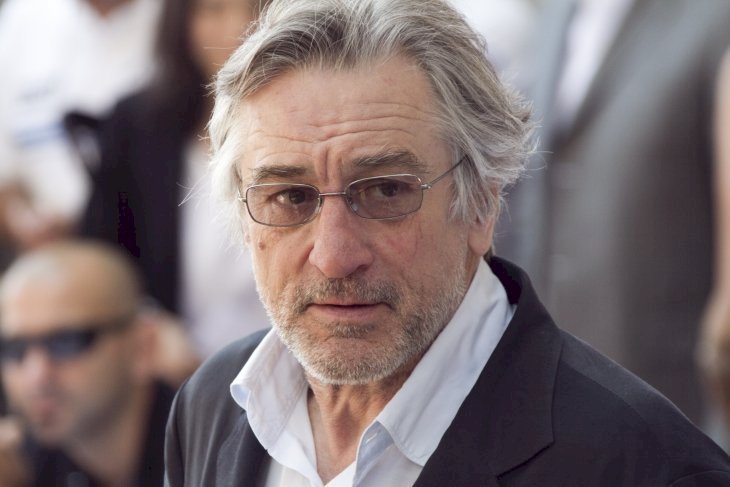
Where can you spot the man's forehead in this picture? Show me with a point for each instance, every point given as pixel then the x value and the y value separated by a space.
pixel 359 117
pixel 329 92
pixel 39 307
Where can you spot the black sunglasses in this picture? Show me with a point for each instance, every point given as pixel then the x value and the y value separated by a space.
pixel 61 345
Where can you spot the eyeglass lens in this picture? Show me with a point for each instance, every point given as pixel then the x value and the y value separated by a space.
pixel 373 198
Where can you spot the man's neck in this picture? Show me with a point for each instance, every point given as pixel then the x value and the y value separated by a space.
pixel 112 456
pixel 339 415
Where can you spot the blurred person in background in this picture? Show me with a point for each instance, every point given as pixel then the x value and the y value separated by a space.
pixel 614 221
pixel 60 56
pixel 154 157
pixel 714 345
pixel 80 368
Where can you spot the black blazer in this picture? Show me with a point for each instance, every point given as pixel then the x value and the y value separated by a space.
pixel 547 410
pixel 136 191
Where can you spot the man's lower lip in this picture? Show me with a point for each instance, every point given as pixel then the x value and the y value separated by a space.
pixel 353 311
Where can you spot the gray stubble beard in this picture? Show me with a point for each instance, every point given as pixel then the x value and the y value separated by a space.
pixel 421 321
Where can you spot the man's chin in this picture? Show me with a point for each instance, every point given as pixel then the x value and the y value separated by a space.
pixel 47 430
pixel 348 362
pixel 48 435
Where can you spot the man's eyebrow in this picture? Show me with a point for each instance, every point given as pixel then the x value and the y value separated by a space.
pixel 402 159
pixel 279 171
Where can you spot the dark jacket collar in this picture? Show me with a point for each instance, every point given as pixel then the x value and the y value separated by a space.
pixel 507 417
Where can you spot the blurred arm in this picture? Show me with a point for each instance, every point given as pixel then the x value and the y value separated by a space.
pixel 714 345
pixel 13 469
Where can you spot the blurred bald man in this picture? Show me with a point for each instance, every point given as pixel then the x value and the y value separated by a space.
pixel 78 369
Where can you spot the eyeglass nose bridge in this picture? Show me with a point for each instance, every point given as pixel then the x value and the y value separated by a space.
pixel 345 194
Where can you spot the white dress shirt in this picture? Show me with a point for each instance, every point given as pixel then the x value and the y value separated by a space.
pixel 393 449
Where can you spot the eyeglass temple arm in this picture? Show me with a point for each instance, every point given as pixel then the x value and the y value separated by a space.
pixel 428 185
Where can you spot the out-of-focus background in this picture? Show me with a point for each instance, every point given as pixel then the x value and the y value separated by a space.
pixel 622 220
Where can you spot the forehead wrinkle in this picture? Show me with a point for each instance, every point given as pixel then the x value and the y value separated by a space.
pixel 357 132
pixel 385 123
pixel 373 110
pixel 263 139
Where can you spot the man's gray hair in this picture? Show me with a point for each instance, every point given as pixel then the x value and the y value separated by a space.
pixel 480 118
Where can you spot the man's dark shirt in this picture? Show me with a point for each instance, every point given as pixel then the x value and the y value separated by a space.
pixel 52 468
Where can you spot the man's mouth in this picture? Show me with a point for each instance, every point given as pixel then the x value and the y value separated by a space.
pixel 346 310
pixel 43 410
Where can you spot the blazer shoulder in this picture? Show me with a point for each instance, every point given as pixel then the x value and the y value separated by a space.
pixel 204 414
pixel 598 402
pixel 203 404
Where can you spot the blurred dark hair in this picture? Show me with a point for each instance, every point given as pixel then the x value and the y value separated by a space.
pixel 181 86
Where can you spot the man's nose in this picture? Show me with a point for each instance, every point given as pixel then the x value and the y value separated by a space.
pixel 36 364
pixel 341 245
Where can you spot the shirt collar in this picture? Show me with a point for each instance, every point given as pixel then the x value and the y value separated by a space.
pixel 268 388
pixel 272 383
pixel 465 344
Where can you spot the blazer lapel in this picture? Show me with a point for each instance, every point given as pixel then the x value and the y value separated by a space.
pixel 241 456
pixel 507 417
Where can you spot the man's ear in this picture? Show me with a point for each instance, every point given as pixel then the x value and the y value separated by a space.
pixel 481 233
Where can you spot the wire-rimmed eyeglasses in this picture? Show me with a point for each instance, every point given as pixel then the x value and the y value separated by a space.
pixel 375 198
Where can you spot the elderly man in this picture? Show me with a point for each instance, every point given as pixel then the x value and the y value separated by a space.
pixel 77 365
pixel 364 145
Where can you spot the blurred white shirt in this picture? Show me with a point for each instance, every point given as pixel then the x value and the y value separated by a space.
pixel 58 56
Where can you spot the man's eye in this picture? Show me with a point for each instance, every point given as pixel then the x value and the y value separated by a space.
pixel 383 188
pixel 389 188
pixel 292 196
